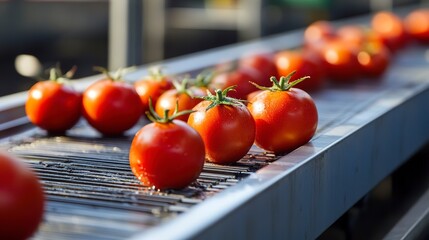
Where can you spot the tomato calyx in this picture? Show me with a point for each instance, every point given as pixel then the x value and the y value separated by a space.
pixel 284 84
pixel 156 74
pixel 154 117
pixel 116 76
pixel 221 98
pixel 56 75
pixel 203 79
pixel 182 87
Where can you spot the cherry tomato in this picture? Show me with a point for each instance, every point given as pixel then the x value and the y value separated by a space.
pixel 262 62
pixel 240 78
pixel 285 117
pixel 186 98
pixel 304 65
pixel 21 199
pixel 152 87
pixel 340 61
pixel 53 105
pixel 390 28
pixel 374 59
pixel 167 154
pixel 226 126
pixel 417 24
pixel 111 106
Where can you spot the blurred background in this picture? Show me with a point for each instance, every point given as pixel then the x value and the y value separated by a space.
pixel 119 33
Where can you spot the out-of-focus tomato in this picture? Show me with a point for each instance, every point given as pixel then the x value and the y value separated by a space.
pixel 318 31
pixel 186 98
pixel 21 199
pixel 152 86
pixel 167 153
pixel 374 59
pixel 340 61
pixel 240 78
pixel 53 105
pixel 262 62
pixel 390 28
pixel 226 126
pixel 111 105
pixel 417 24
pixel 288 61
pixel 285 117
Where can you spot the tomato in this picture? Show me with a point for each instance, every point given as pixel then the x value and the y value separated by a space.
pixel 21 199
pixel 111 106
pixel 186 98
pixel 286 117
pixel 417 24
pixel 374 59
pixel 318 31
pixel 240 78
pixel 167 154
pixel 390 28
pixel 152 87
pixel 262 62
pixel 304 65
pixel 226 126
pixel 340 61
pixel 53 105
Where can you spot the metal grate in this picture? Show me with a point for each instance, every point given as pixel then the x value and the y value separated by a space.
pixel 92 192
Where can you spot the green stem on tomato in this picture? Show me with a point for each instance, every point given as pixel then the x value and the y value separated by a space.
pixel 284 84
pixel 154 117
pixel 221 98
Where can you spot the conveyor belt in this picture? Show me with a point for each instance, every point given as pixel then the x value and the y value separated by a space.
pixel 366 130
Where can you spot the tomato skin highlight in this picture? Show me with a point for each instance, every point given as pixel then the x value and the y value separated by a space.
pixel 169 99
pixel 53 106
pixel 340 61
pixel 240 78
pixel 167 155
pixel 262 62
pixel 111 107
pixel 228 131
pixel 304 64
pixel 374 60
pixel 285 120
pixel 21 199
pixel 151 88
pixel 416 24
pixel 390 28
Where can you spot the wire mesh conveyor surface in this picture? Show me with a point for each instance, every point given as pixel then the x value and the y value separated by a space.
pixel 88 181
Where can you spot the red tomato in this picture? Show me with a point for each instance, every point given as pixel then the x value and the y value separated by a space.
pixel 152 87
pixel 167 155
pixel 227 128
pixel 240 78
pixel 417 24
pixel 262 62
pixel 318 31
pixel 111 106
pixel 374 58
pixel 21 199
pixel 340 61
pixel 285 117
pixel 185 98
pixel 53 105
pixel 390 28
pixel 304 65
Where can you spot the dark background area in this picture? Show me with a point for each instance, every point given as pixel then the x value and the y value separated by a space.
pixel 76 32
